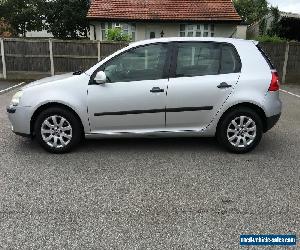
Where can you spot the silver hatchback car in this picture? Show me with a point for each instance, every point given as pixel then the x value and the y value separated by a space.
pixel 162 87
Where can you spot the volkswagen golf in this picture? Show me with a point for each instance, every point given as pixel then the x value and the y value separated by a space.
pixel 199 87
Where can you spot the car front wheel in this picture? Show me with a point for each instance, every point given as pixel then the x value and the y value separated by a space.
pixel 240 131
pixel 57 130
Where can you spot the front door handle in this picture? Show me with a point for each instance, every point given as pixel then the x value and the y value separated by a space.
pixel 224 85
pixel 157 90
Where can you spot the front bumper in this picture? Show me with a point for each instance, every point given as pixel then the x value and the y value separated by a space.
pixel 20 119
pixel 271 121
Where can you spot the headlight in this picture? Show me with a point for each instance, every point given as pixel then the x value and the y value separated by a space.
pixel 16 98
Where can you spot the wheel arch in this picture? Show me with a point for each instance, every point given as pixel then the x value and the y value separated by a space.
pixel 252 106
pixel 51 105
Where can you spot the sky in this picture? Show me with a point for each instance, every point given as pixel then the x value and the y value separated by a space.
pixel 287 5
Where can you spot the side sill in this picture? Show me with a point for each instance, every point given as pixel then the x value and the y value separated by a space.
pixel 162 133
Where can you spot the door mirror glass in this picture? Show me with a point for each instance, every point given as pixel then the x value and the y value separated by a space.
pixel 100 77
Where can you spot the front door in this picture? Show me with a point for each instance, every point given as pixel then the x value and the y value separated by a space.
pixel 204 75
pixel 134 96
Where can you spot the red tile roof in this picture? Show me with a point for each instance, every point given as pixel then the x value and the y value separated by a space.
pixel 164 10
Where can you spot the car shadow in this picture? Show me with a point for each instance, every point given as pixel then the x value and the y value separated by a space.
pixel 153 144
pixel 178 144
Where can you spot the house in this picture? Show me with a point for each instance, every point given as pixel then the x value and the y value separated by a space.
pixel 145 19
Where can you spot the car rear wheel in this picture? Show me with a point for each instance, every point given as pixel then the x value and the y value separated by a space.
pixel 57 130
pixel 240 130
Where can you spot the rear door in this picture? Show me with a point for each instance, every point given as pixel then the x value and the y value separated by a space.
pixel 203 76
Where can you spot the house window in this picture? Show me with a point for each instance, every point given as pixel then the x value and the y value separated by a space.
pixel 127 28
pixel 197 30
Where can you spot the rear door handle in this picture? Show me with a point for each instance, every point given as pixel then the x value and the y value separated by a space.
pixel 224 85
pixel 157 90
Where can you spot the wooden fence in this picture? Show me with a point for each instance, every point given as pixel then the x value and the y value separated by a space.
pixel 286 59
pixel 35 58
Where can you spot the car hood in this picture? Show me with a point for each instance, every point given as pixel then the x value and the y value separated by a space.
pixel 48 80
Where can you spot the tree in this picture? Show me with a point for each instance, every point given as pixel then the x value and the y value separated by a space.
pixel 5 29
pixel 251 10
pixel 275 24
pixel 289 28
pixel 66 19
pixel 22 15
pixel 117 35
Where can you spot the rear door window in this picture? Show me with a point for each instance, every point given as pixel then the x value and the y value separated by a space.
pixel 197 59
pixel 206 58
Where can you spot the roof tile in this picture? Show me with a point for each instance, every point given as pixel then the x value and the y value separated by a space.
pixel 165 10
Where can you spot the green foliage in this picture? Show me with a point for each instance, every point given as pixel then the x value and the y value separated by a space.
pixel 289 28
pixel 5 29
pixel 262 27
pixel 251 10
pixel 66 19
pixel 275 24
pixel 22 15
pixel 267 38
pixel 283 27
pixel 116 34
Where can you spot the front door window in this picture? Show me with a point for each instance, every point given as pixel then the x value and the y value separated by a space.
pixel 143 63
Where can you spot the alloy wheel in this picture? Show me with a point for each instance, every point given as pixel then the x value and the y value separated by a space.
pixel 56 131
pixel 241 131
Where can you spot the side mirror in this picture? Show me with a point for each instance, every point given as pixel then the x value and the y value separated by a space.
pixel 100 77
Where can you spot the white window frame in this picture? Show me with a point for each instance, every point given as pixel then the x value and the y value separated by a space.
pixel 197 30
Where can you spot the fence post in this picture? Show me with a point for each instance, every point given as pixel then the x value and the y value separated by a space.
pixel 51 57
pixel 3 59
pixel 286 59
pixel 99 51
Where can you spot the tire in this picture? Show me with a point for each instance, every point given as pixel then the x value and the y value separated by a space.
pixel 236 138
pixel 59 138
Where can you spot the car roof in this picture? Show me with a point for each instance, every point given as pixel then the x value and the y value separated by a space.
pixel 191 39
